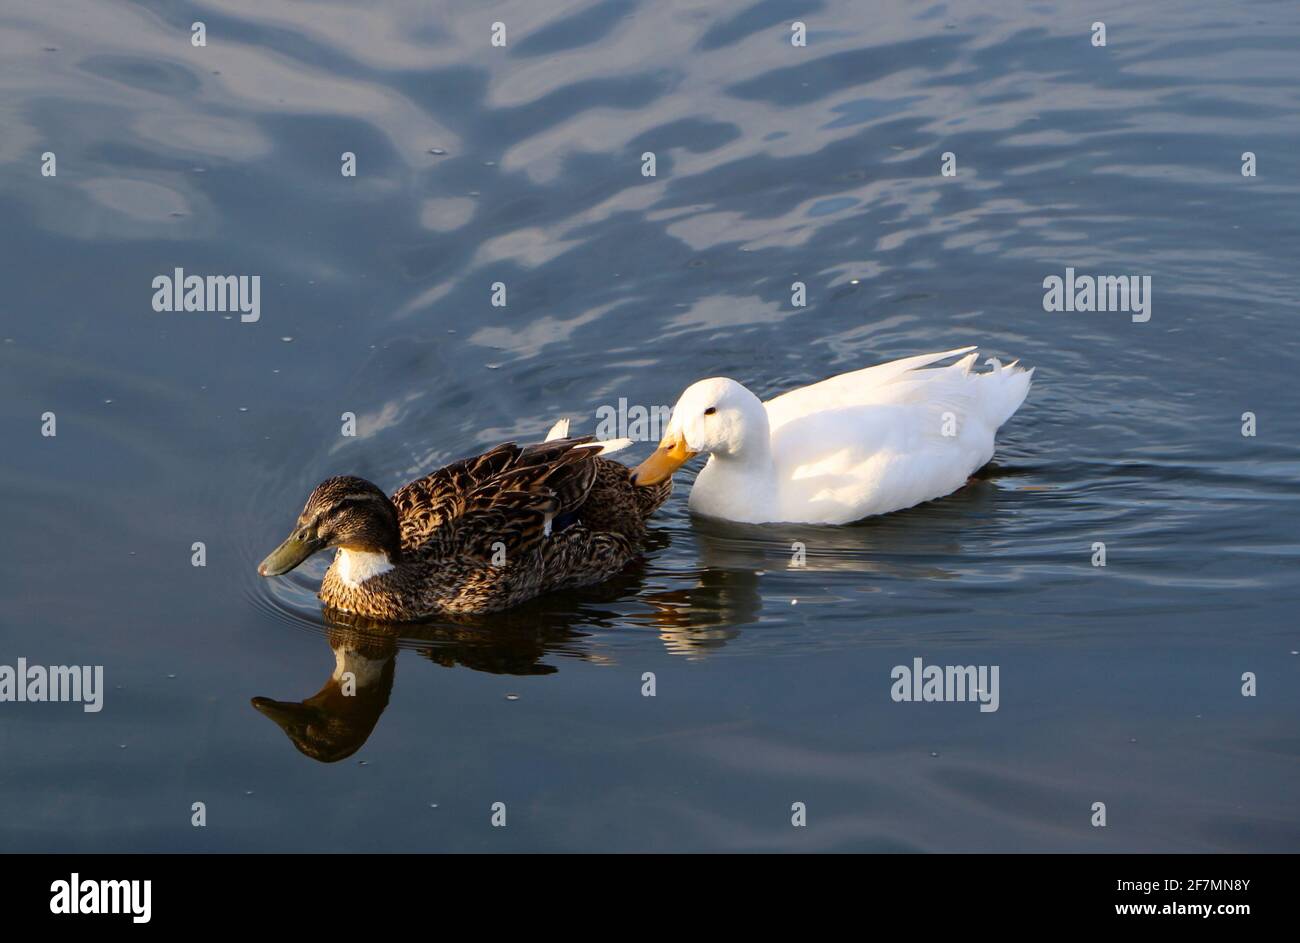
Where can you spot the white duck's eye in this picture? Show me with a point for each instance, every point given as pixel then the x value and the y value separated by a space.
pixel 711 410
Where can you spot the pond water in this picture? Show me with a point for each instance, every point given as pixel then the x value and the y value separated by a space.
pixel 775 163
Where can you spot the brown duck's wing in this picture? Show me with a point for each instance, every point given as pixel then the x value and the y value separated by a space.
pixel 510 494
pixel 561 467
pixel 427 503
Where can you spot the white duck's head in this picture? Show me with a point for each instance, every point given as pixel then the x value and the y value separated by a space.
pixel 718 416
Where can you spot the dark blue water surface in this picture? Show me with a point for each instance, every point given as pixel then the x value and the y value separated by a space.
pixel 775 164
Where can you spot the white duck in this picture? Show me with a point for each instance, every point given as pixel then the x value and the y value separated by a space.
pixel 862 443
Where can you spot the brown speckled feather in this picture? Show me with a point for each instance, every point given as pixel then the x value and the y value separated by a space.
pixel 494 530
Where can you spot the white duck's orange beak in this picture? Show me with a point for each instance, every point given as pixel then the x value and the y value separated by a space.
pixel 671 455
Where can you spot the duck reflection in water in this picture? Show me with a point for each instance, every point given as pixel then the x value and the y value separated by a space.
pixel 335 722
pixel 739 563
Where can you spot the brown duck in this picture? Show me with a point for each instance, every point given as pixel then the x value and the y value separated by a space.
pixel 480 535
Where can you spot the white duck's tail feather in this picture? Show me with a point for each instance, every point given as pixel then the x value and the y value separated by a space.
pixel 965 364
pixel 1006 389
pixel 558 431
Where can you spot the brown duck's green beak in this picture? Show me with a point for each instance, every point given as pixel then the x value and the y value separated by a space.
pixel 297 548
pixel 284 713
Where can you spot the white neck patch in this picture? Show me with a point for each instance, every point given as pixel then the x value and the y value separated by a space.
pixel 365 670
pixel 354 567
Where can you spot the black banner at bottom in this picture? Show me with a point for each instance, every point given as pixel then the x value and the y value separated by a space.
pixel 347 891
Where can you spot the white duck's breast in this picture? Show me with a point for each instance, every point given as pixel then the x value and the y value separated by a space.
pixel 733 491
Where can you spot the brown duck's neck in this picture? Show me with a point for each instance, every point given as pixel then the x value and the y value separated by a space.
pixel 354 567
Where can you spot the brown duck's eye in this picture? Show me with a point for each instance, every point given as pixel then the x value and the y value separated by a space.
pixel 711 410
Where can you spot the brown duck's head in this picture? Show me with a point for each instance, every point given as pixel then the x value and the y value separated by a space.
pixel 344 512
pixel 335 722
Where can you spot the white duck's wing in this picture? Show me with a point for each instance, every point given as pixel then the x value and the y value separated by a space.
pixel 921 438
pixel 859 388
pixel 846 464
